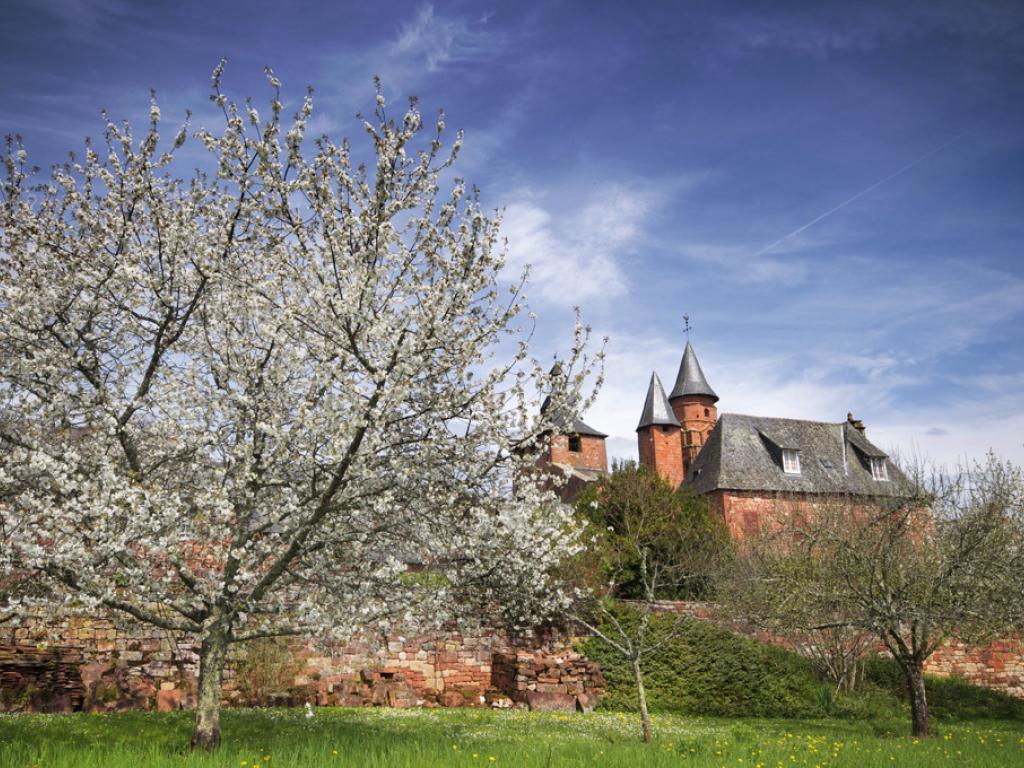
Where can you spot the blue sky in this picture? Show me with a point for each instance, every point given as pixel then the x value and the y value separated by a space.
pixel 658 159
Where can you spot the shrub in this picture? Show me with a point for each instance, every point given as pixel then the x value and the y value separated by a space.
pixel 710 671
pixel 268 669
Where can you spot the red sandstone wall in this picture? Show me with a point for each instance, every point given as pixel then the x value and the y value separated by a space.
pixel 661 450
pixel 999 665
pixel 592 453
pixel 745 511
pixel 697 415
pixel 96 664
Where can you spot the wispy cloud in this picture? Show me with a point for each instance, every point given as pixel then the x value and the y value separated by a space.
pixel 424 46
pixel 437 41
pixel 86 19
pixel 785 386
pixel 822 29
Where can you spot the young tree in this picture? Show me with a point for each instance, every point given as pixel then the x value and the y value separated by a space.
pixel 944 560
pixel 650 542
pixel 245 403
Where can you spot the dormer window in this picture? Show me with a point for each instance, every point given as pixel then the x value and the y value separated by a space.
pixel 575 444
pixel 790 461
pixel 879 470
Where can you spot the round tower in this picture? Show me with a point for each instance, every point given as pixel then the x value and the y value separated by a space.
pixel 657 435
pixel 693 404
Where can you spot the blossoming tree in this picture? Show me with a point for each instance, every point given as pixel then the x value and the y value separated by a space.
pixel 263 398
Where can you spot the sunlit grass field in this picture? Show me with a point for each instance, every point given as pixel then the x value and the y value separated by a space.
pixel 428 738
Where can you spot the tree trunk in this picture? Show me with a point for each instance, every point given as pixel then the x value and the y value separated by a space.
pixel 212 655
pixel 918 699
pixel 645 717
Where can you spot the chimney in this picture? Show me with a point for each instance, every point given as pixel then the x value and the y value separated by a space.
pixel 855 423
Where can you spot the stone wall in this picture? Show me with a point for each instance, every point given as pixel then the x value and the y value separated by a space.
pixel 100 665
pixel 592 454
pixel 97 664
pixel 998 665
pixel 567 682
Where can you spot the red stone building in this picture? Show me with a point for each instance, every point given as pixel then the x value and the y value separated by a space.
pixel 575 450
pixel 748 464
pixel 744 464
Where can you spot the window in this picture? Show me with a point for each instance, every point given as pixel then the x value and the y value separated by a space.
pixel 707 413
pixel 575 444
pixel 790 461
pixel 879 470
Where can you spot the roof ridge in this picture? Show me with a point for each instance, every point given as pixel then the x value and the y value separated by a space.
pixel 782 418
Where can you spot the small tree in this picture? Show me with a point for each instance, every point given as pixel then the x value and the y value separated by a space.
pixel 650 542
pixel 946 559
pixel 239 403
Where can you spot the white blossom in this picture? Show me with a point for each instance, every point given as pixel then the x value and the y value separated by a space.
pixel 268 399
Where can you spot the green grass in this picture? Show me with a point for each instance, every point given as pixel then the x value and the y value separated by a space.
pixel 465 738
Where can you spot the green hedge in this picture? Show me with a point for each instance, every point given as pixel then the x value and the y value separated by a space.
pixel 707 670
pixel 711 671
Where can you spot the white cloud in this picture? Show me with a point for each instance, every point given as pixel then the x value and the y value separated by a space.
pixel 952 434
pixel 577 255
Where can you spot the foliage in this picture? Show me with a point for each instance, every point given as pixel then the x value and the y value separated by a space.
pixel 649 542
pixel 702 669
pixel 383 738
pixel 238 402
pixel 636 515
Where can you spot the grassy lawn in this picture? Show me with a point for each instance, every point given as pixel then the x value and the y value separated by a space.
pixel 425 738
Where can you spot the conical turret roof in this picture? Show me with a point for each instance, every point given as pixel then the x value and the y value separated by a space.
pixel 656 407
pixel 690 380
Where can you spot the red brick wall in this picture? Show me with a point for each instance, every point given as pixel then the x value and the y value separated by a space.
pixel 99 665
pixel 697 415
pixel 661 450
pixel 592 453
pixel 745 511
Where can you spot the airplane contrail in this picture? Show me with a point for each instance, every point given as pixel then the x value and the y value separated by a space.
pixel 860 194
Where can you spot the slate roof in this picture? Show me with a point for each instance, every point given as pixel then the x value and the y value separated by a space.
pixel 744 453
pixel 690 379
pixel 656 407
pixel 566 422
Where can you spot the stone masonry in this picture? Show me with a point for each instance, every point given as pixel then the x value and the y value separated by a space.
pixel 96 664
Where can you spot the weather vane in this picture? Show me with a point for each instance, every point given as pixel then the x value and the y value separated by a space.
pixel 686 326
